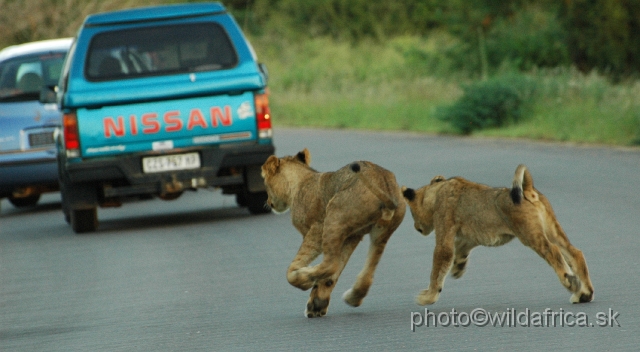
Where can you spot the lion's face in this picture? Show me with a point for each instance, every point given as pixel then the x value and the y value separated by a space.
pixel 278 182
pixel 276 185
pixel 422 204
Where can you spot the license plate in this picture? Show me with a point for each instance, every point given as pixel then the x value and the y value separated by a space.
pixel 41 139
pixel 171 162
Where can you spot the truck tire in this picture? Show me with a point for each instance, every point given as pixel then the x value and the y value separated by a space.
pixel 84 220
pixel 257 203
pixel 79 205
pixel 241 200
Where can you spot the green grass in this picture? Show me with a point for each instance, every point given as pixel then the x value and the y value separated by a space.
pixel 324 83
pixel 574 107
pixel 388 106
pixel 580 123
pixel 411 116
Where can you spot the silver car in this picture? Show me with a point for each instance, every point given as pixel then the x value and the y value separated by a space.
pixel 29 119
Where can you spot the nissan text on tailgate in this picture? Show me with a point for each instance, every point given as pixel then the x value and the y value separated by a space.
pixel 157 101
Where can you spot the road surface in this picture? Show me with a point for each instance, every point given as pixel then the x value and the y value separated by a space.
pixel 201 274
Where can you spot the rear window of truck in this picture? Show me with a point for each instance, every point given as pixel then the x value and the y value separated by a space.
pixel 161 50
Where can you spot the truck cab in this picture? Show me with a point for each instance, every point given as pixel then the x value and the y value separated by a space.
pixel 157 101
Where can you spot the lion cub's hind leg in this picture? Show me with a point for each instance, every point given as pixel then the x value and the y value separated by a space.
pixel 534 238
pixel 343 229
pixel 321 293
pixel 576 261
pixel 461 257
pixel 377 242
pixel 579 267
pixel 334 235
pixel 442 261
pixel 310 249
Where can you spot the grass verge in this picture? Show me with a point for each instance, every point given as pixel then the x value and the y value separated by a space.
pixel 323 83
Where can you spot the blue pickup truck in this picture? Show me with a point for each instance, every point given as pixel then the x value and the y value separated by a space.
pixel 157 101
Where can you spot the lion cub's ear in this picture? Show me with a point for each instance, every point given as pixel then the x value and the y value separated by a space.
pixel 304 156
pixel 437 179
pixel 270 166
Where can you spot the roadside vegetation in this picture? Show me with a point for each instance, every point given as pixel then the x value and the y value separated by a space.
pixel 538 69
pixel 326 83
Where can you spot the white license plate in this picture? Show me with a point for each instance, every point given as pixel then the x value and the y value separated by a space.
pixel 41 139
pixel 171 162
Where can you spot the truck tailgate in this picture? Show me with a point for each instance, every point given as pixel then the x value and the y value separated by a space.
pixel 165 125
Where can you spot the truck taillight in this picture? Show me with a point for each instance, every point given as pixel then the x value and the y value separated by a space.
pixel 71 137
pixel 263 115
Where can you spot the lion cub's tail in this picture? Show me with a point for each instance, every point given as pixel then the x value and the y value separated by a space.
pixel 523 186
pixel 390 204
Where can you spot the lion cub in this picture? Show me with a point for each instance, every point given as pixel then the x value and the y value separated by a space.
pixel 465 214
pixel 333 211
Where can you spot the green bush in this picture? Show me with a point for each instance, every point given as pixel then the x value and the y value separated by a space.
pixel 484 104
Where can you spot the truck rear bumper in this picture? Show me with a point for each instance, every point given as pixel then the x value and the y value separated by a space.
pixel 123 175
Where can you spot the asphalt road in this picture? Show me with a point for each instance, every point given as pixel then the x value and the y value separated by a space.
pixel 198 273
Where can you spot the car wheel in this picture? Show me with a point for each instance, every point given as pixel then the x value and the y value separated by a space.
pixel 84 220
pixel 21 202
pixel 257 202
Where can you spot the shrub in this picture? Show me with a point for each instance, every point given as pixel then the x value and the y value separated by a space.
pixel 485 104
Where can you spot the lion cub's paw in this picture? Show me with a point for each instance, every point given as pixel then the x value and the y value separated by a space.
pixel 426 297
pixel 582 297
pixel 350 298
pixel 300 279
pixel 316 308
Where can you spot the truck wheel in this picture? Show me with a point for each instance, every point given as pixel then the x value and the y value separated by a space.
pixel 24 201
pixel 241 200
pixel 83 196
pixel 84 220
pixel 257 202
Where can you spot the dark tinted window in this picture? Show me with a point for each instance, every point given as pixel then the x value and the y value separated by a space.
pixel 26 75
pixel 159 50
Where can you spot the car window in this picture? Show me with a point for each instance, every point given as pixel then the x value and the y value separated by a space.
pixel 27 75
pixel 159 50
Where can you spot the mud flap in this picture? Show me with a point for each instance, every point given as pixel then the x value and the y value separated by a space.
pixel 80 195
pixel 79 205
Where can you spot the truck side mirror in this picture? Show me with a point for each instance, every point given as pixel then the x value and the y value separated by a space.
pixel 264 71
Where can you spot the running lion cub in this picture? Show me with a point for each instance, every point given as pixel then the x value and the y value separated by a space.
pixel 465 214
pixel 333 211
